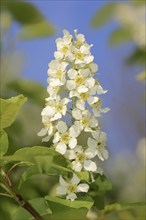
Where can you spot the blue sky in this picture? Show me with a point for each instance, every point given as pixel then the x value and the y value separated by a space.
pixel 123 123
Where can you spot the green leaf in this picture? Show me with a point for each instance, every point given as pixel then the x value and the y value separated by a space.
pixel 120 35
pixel 32 89
pixel 33 22
pixel 3 143
pixel 39 204
pixel 84 202
pixel 137 57
pixel 29 154
pixel 23 12
pixel 9 109
pixel 103 15
pixel 141 76
pixel 40 29
pixel 43 160
pixel 44 165
pixel 67 210
pixel 98 189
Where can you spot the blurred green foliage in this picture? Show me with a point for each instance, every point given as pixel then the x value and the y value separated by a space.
pixel 131 19
pixel 23 131
pixel 33 23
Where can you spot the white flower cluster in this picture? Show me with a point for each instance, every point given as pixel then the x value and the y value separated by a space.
pixel 73 90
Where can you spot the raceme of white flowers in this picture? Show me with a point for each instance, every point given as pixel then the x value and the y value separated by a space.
pixel 74 92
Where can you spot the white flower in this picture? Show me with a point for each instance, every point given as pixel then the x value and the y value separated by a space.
pixel 81 56
pixel 87 121
pixel 99 143
pixel 55 108
pixel 80 81
pixel 96 107
pixel 97 89
pixel 63 45
pixel 75 129
pixel 81 159
pixel 47 130
pixel 53 91
pixel 93 67
pixel 64 138
pixel 71 188
pixel 80 39
pixel 57 73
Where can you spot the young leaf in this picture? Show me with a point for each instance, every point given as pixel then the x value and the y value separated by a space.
pixel 120 35
pixel 9 109
pixel 3 143
pixel 103 15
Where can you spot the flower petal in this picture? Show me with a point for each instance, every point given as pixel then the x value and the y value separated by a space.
pixel 91 142
pixel 83 187
pixel 61 190
pixel 76 113
pixel 62 127
pixel 91 152
pixel 62 181
pixel 75 179
pixel 76 166
pixel 72 142
pixel 71 196
pixel 70 84
pixel 42 132
pixel 90 165
pixel 72 73
pixel 61 148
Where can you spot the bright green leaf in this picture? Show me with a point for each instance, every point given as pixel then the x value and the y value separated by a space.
pixel 84 202
pixel 9 109
pixel 43 160
pixel 29 88
pixel 103 15
pixel 3 143
pixel 120 35
pixel 39 204
pixel 63 209
pixel 28 154
pixel 40 29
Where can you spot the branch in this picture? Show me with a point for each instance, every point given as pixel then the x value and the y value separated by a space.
pixel 26 205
